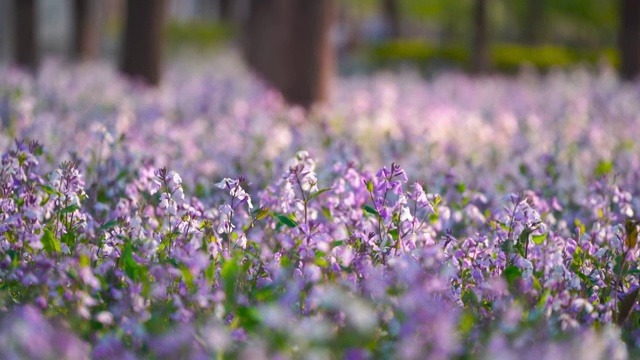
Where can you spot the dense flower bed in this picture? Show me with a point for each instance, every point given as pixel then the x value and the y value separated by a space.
pixel 448 218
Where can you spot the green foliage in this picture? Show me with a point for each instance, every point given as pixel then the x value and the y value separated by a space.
pixel 286 220
pixel 370 210
pixel 508 57
pixel 69 209
pixel 511 274
pixel 315 194
pixel 131 267
pixel 201 35
pixel 539 239
pixel 505 57
pixel 230 273
pixel 603 168
pixel 50 243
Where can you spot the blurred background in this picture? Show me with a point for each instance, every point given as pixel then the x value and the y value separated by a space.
pixel 297 46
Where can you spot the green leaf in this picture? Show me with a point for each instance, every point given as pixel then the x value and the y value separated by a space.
pixel 315 194
pixel 210 272
pixel 512 273
pixel 84 261
pixel 520 248
pixel 108 225
pixel 577 261
pixel 69 209
pixel 50 243
pixel 461 187
pixel 585 278
pixel 370 210
pixel 262 213
pixel 337 243
pixel 229 274
pixel 524 235
pixel 469 297
pixel 265 294
pixel 322 262
pixel 15 259
pixel 45 200
pixel 394 234
pixel 287 221
pixel 631 239
pixel 467 322
pixel 187 276
pixel 603 168
pixel 249 317
pixel 49 190
pixel 370 186
pixel 131 267
pixel 69 238
pixel 326 212
pixel 285 262
pixel 38 151
pixel 539 239
pixel 536 284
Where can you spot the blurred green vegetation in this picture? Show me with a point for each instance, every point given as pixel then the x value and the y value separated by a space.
pixel 591 23
pixel 439 32
pixel 505 57
pixel 198 35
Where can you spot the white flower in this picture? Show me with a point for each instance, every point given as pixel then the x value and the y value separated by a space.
pixel 405 214
pixel 154 186
pixel 166 202
pixel 240 194
pixel 226 183
pixel 225 210
pixel 235 190
pixel 174 178
pixel 242 241
pixel 179 195
pixel 225 227
pixel 104 317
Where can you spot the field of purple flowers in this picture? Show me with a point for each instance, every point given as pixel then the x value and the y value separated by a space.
pixel 449 218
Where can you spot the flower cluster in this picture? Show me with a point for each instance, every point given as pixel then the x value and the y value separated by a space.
pixel 514 238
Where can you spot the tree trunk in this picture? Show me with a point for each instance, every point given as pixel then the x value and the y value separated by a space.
pixel 629 41
pixel 25 47
pixel 225 9
pixel 391 14
pixel 480 53
pixel 259 35
pixel 288 45
pixel 534 23
pixel 85 30
pixel 143 40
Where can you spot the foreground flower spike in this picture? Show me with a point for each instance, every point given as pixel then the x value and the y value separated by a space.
pixel 235 190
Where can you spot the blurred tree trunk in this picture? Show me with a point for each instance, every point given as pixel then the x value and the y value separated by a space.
pixel 85 30
pixel 629 41
pixel 391 14
pixel 25 47
pixel 480 51
pixel 311 58
pixel 534 22
pixel 225 9
pixel 288 44
pixel 259 35
pixel 143 40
